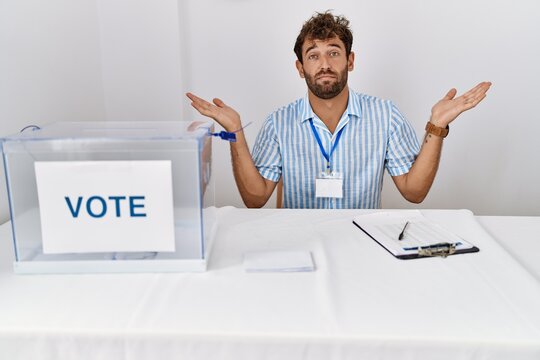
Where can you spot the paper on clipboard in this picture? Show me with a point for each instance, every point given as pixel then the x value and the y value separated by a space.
pixel 420 233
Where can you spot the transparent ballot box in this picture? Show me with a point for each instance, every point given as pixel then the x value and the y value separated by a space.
pixel 110 196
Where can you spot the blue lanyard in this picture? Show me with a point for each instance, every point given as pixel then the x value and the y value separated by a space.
pixel 318 138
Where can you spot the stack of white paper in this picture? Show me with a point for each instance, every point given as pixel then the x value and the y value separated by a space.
pixel 278 261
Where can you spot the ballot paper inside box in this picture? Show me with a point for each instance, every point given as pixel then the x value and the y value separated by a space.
pixel 110 196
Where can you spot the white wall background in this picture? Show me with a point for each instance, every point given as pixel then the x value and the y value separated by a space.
pixel 133 60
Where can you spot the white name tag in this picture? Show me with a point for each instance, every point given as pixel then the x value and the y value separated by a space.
pixel 329 186
pixel 105 206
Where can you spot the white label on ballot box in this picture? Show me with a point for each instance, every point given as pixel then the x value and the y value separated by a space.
pixel 105 206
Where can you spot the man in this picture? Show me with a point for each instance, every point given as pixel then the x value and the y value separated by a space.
pixel 332 147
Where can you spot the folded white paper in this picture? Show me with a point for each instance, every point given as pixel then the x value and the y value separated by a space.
pixel 278 261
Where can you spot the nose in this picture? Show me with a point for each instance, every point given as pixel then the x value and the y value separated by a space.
pixel 325 64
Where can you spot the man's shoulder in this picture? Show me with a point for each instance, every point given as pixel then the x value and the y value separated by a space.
pixel 291 110
pixel 284 116
pixel 369 99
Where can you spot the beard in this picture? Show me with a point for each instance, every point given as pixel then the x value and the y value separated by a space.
pixel 327 89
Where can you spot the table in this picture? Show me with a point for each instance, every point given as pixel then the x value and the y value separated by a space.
pixel 519 235
pixel 360 303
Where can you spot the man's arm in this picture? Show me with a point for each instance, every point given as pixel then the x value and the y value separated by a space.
pixel 254 189
pixel 415 185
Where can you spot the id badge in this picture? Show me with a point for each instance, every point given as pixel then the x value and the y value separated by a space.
pixel 329 185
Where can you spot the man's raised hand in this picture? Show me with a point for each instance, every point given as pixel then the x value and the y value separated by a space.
pixel 448 108
pixel 226 116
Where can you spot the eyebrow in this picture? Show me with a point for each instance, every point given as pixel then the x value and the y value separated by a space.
pixel 314 45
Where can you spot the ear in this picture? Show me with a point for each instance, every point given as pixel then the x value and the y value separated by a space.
pixel 350 61
pixel 300 68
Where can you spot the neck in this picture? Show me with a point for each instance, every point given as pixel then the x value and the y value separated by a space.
pixel 330 110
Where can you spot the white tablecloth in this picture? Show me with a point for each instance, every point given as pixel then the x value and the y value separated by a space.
pixel 360 303
pixel 519 235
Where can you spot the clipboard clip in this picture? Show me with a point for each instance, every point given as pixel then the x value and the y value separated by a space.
pixel 440 250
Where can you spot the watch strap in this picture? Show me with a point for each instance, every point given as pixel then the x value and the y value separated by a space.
pixel 436 130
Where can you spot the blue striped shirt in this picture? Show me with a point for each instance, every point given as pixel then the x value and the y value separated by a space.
pixel 375 136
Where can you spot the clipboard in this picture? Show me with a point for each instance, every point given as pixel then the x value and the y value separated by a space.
pixel 387 230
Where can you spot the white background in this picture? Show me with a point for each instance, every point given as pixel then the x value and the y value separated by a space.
pixel 133 60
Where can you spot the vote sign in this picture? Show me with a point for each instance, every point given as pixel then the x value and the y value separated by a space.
pixel 105 206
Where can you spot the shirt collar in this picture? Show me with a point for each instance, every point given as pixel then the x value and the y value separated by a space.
pixel 307 112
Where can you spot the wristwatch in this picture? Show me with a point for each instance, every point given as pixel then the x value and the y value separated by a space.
pixel 437 131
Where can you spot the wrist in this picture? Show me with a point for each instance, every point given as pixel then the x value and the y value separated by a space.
pixel 436 130
pixel 438 122
pixel 234 127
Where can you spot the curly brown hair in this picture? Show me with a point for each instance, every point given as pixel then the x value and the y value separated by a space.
pixel 324 26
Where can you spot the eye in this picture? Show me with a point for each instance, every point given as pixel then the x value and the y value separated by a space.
pixel 334 53
pixel 313 57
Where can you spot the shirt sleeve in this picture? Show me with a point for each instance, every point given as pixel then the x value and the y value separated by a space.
pixel 403 147
pixel 266 152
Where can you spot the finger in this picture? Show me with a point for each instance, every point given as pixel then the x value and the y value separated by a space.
pixel 219 102
pixel 471 92
pixel 478 89
pixel 486 85
pixel 478 94
pixel 477 100
pixel 202 110
pixel 198 100
pixel 203 107
pixel 470 96
pixel 450 94
pixel 481 88
pixel 480 99
pixel 193 97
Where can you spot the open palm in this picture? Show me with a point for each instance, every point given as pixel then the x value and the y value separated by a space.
pixel 223 114
pixel 448 108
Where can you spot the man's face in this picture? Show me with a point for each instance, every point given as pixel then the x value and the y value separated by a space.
pixel 325 66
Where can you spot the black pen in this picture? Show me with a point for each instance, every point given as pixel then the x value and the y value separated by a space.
pixel 403 231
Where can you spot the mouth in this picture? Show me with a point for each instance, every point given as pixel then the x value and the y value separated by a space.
pixel 325 77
